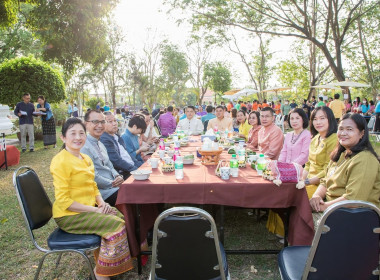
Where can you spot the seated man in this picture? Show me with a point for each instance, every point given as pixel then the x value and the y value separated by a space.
pixel 209 114
pixel 167 122
pixel 136 126
pixel 190 123
pixel 115 146
pixel 271 138
pixel 106 177
pixel 150 137
pixel 220 122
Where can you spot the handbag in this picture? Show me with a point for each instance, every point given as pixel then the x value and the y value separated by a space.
pixel 283 172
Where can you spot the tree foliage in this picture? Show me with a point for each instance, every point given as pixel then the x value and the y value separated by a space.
pixel 29 75
pixel 218 76
pixel 326 24
pixel 92 102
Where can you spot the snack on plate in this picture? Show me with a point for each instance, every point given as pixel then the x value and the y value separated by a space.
pixel 167 167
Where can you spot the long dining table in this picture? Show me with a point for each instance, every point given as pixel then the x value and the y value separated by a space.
pixel 201 186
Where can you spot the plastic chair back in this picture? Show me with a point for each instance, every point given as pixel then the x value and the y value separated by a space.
pixel 34 202
pixel 186 247
pixel 346 244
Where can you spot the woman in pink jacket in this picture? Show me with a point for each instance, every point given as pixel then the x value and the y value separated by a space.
pixel 167 122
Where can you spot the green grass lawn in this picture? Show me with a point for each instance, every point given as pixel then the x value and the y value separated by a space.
pixel 19 258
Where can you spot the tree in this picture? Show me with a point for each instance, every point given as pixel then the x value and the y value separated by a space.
pixel 92 102
pixel 334 20
pixel 174 74
pixel 198 55
pixel 17 40
pixel 218 76
pixel 291 74
pixel 70 30
pixel 29 75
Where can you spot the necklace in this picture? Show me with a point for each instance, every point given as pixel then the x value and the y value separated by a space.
pixel 293 141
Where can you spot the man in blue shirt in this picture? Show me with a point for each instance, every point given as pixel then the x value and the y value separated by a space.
pixel 209 115
pixel 24 110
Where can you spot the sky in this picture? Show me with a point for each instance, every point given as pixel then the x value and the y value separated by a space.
pixel 135 17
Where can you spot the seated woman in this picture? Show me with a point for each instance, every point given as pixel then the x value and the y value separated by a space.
pixel 296 143
pixel 136 126
pixel 323 128
pixel 253 136
pixel 354 170
pixel 79 208
pixel 235 123
pixel 295 149
pixel 244 126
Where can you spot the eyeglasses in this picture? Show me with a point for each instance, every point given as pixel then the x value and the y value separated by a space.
pixel 96 122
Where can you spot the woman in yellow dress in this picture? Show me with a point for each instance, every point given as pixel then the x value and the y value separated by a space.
pixel 244 126
pixel 323 127
pixel 354 170
pixel 79 207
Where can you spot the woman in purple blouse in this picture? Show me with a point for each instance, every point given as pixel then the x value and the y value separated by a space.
pixel 297 142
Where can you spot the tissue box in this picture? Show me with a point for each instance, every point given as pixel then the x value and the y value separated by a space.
pixel 212 137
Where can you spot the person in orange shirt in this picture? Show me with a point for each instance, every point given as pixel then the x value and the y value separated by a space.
pixel 277 108
pixel 255 105
pixel 265 104
pixel 230 106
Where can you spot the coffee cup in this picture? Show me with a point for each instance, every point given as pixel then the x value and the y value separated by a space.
pixel 153 162
pixel 225 173
pixel 168 160
pixel 161 153
pixel 252 158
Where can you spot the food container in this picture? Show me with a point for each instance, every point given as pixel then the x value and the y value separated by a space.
pixel 141 174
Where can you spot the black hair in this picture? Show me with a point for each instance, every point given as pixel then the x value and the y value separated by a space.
pixel 333 126
pixel 233 112
pixel 139 122
pixel 101 109
pixel 257 116
pixel 145 113
pixel 301 112
pixel 122 110
pixel 26 94
pixel 108 113
pixel 190 107
pixel 41 97
pixel 219 107
pixel 70 122
pixel 244 113
pixel 362 145
pixel 244 109
pixel 268 109
pixel 88 113
pixel 209 109
pixel 357 99
pixel 118 111
pixel 320 98
pixel 170 109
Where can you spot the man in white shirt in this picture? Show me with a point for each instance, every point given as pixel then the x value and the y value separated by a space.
pixel 191 124
pixel 115 146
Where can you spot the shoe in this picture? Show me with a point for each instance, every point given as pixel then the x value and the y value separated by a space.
pixel 23 150
pixel 31 150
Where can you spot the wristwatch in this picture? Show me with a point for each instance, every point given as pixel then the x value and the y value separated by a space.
pixel 307 181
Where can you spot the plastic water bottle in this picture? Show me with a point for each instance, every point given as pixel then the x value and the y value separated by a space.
pixel 226 133
pixel 216 129
pixel 178 165
pixel 234 166
pixel 241 154
pixel 176 153
pixel 261 164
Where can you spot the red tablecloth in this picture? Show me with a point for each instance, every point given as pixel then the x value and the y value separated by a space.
pixel 201 186
pixel 13 156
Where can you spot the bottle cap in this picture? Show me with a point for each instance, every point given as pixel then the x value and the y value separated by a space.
pixel 261 155
pixel 234 156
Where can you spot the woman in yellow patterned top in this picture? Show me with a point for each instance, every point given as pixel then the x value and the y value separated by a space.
pixel 323 127
pixel 354 170
pixel 244 126
pixel 79 207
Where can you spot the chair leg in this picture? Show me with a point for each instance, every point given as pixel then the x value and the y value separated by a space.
pixel 39 267
pixel 58 260
pixel 88 264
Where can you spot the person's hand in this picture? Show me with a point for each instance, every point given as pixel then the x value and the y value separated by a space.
pixel 144 147
pixel 105 208
pixel 156 140
pixel 316 203
pixel 118 181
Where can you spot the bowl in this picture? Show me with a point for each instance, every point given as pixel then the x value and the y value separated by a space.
pixel 188 161
pixel 141 174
